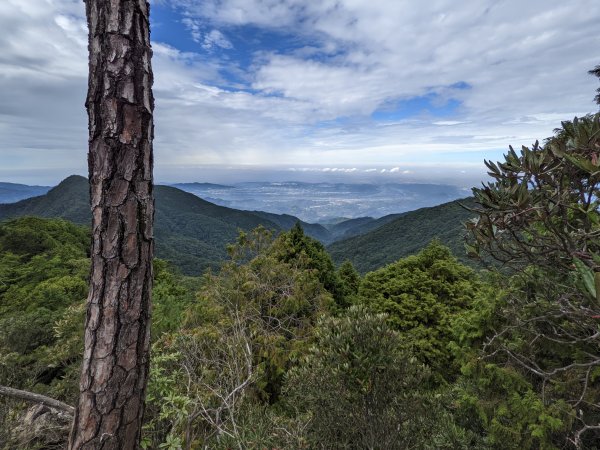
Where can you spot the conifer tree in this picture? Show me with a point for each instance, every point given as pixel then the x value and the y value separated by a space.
pixel 120 106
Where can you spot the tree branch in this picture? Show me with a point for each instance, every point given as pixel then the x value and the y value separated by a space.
pixel 36 398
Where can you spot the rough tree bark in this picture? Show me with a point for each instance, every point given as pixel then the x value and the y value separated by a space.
pixel 117 329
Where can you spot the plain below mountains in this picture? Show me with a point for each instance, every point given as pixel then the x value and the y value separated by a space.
pixel 193 233
pixel 325 202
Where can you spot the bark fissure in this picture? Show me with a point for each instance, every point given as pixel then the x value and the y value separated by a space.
pixel 120 105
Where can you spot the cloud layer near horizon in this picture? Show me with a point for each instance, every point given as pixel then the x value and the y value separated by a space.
pixel 351 82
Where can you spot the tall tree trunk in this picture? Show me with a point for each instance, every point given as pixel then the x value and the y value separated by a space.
pixel 117 330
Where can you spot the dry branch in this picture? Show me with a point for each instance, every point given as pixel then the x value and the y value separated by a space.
pixel 36 398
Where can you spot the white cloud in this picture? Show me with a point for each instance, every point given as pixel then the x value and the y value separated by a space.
pixel 43 69
pixel 525 63
pixel 508 52
pixel 194 27
pixel 208 40
pixel 447 122
pixel 214 38
pixel 367 55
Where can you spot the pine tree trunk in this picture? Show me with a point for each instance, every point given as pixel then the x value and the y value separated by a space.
pixel 117 330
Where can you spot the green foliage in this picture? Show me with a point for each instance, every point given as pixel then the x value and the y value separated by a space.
pixel 596 72
pixel 360 389
pixel 356 384
pixel 422 294
pixel 349 282
pixel 167 403
pixel 294 245
pixel 542 207
pixel 502 404
pixel 280 286
pixel 44 267
pixel 498 402
pixel 250 324
pixel 41 264
pixel 172 294
pixel 541 217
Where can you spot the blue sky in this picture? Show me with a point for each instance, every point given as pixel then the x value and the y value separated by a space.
pixel 383 90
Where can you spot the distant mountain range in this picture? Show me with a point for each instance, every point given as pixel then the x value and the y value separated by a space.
pixel 11 192
pixel 192 233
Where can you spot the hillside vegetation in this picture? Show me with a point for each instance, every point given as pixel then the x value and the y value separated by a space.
pixel 69 200
pixel 406 234
pixel 360 225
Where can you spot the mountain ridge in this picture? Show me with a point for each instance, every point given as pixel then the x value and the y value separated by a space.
pixel 192 233
pixel 407 234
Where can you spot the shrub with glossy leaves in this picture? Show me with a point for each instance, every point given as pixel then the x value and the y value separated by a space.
pixel 541 216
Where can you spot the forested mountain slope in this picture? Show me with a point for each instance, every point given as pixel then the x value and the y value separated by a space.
pixel 406 234
pixel 286 222
pixel 190 232
pixel 69 200
pixel 360 225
